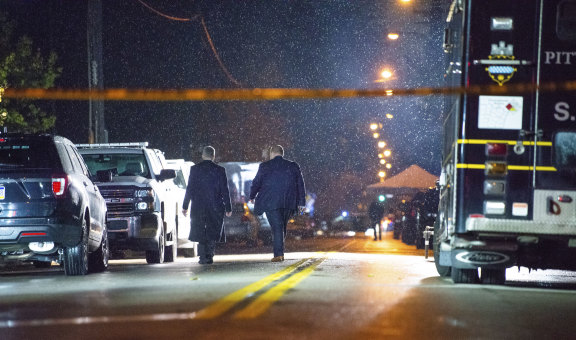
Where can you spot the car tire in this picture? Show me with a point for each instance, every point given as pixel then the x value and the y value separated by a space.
pixel 76 257
pixel 157 255
pixel 171 252
pixel 443 271
pixel 98 260
pixel 493 276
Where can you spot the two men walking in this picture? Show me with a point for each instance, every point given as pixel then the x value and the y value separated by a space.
pixel 278 190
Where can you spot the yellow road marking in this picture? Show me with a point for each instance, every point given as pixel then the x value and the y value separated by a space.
pixel 264 301
pixel 226 303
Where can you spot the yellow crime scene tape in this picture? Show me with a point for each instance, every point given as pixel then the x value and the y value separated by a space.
pixel 120 94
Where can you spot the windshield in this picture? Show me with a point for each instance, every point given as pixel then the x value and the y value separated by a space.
pixel 128 164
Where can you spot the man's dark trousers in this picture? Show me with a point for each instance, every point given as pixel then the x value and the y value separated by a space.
pixel 206 250
pixel 278 220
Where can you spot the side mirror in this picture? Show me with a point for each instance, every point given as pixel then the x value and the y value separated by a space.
pixel 104 175
pixel 167 174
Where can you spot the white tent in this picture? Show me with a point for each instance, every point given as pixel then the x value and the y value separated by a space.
pixel 413 177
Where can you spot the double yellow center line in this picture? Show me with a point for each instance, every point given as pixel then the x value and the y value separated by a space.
pixel 288 278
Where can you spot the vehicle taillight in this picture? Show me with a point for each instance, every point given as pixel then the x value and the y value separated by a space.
pixel 496 149
pixel 59 185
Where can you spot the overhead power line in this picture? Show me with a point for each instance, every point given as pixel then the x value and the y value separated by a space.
pixel 206 33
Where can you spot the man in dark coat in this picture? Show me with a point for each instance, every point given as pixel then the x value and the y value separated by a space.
pixel 207 190
pixel 376 212
pixel 279 192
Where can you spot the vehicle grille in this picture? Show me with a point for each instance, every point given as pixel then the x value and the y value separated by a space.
pixel 117 193
pixel 118 209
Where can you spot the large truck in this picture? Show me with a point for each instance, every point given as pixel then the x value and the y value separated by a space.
pixel 508 182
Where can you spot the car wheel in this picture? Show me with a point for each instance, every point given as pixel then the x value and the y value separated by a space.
pixel 157 255
pixel 98 260
pixel 493 276
pixel 444 271
pixel 76 258
pixel 42 264
pixel 460 275
pixel 172 250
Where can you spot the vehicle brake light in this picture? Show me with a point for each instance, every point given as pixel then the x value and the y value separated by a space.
pixel 59 185
pixel 496 149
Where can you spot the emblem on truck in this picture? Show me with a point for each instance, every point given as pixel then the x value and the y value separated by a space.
pixel 482 257
pixel 500 71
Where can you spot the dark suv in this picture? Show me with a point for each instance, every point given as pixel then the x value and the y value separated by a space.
pixel 50 210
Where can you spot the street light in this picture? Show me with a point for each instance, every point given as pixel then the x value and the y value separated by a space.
pixel 376 135
pixel 393 36
pixel 381 174
pixel 381 144
pixel 387 153
pixel 388 166
pixel 389 116
pixel 386 74
pixel 373 126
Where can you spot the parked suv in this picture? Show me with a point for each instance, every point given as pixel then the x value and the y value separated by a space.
pixel 50 210
pixel 141 197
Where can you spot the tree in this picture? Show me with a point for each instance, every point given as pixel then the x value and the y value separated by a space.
pixel 23 67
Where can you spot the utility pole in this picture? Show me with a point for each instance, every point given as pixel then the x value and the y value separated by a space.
pixel 96 126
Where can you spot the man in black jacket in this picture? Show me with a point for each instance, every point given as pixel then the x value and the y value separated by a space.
pixel 279 192
pixel 208 191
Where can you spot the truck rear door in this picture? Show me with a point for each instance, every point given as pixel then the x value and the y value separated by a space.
pixel 555 184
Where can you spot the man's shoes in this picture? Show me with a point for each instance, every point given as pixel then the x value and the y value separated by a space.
pixel 206 261
pixel 278 258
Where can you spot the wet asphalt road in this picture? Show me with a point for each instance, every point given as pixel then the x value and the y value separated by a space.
pixel 328 288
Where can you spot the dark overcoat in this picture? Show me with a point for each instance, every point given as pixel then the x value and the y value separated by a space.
pixel 278 185
pixel 207 192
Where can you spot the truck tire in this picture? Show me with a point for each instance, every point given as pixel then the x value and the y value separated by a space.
pixel 157 255
pixel 464 275
pixel 98 260
pixel 493 276
pixel 443 271
pixel 76 257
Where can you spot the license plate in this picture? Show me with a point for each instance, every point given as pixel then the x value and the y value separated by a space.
pixel 2 192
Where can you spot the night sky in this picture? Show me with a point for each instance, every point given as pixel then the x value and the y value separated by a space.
pixel 262 44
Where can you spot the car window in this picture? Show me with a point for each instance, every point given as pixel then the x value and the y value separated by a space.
pixel 180 181
pixel 85 170
pixel 75 162
pixel 65 158
pixel 18 153
pixel 122 164
pixel 155 162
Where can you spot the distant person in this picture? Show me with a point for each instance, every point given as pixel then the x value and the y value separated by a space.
pixel 279 191
pixel 376 212
pixel 208 193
